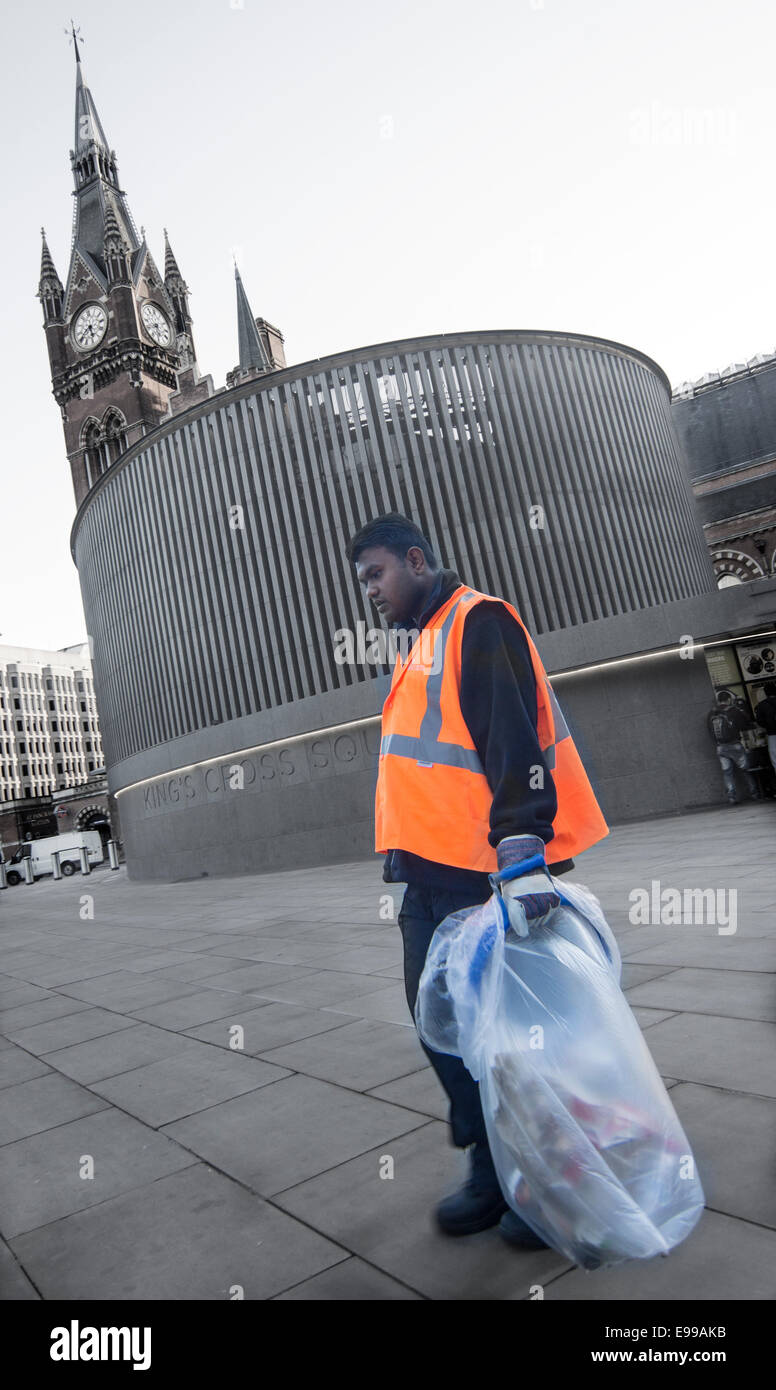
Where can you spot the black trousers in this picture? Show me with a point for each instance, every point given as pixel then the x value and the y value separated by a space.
pixel 421 912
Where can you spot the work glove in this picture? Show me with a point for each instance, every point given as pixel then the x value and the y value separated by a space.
pixel 523 881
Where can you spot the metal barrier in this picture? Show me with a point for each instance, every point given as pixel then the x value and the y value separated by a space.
pixel 56 867
pixel 29 876
pixel 3 876
pixel 113 854
pixel 86 867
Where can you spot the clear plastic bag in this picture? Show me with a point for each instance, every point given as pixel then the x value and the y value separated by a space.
pixel 588 1148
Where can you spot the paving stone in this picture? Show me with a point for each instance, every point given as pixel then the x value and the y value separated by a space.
pixel 195 1009
pixel 185 1083
pixel 647 1017
pixel 321 988
pixel 365 960
pixel 39 1011
pixel 41 1104
pixel 253 978
pixel 718 952
pixel 270 1025
pixel 732 993
pixel 118 1052
pixel 633 975
pixel 14 995
pixel 67 1029
pixel 421 1091
pixel 197 967
pixel 17 1065
pixel 53 974
pixel 730 1052
pixel 722 1259
pixel 123 990
pixel 390 1222
pixel 386 1004
pixel 360 1055
pixel 193 1235
pixel 14 1283
pixel 352 1279
pixel 41 1176
pixel 154 960
pixel 287 1132
pixel 733 1140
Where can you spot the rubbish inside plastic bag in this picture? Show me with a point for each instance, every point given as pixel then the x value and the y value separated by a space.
pixel 586 1143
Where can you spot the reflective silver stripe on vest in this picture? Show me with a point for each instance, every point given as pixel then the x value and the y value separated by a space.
pixel 426 752
pixel 426 748
pixel 561 727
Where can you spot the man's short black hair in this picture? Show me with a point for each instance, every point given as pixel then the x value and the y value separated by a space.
pixel 723 696
pixel 394 531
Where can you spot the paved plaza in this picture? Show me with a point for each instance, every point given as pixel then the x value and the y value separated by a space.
pixel 142 1155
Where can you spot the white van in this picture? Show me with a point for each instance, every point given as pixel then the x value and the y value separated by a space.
pixel 40 852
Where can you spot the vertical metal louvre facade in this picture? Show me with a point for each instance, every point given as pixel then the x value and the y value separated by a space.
pixel 197 622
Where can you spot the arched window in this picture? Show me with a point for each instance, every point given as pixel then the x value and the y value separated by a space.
pixel 90 436
pixel 103 443
pixel 114 432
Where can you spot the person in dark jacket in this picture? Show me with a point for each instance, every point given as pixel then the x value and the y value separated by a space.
pixel 498 700
pixel 726 722
pixel 765 714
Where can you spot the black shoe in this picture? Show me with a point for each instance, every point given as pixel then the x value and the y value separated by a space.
pixel 472 1208
pixel 516 1232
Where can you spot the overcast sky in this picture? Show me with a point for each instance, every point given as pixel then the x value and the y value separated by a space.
pixel 386 170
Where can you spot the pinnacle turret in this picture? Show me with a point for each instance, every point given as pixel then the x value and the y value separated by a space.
pixel 50 289
pixel 253 354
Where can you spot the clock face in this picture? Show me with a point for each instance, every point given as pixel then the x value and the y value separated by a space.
pixel 156 324
pixel 89 327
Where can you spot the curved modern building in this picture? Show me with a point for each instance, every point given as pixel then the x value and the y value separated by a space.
pixel 543 467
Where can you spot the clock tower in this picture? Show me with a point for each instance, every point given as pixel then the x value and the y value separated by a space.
pixel 119 333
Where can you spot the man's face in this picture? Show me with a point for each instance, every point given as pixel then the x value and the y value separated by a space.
pixel 393 585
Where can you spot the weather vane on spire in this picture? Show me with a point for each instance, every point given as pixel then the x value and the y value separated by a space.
pixel 73 34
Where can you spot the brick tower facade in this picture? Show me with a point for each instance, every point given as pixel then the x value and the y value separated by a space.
pixel 119 334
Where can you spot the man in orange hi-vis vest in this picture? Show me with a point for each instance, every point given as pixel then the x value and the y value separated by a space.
pixel 477 774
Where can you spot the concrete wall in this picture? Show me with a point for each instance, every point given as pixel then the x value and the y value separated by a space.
pixel 640 729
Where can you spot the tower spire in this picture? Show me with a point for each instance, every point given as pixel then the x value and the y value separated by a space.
pixel 96 178
pixel 50 289
pixel 73 32
pixel 252 352
pixel 178 291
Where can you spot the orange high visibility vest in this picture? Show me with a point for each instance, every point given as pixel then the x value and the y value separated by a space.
pixel 433 798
